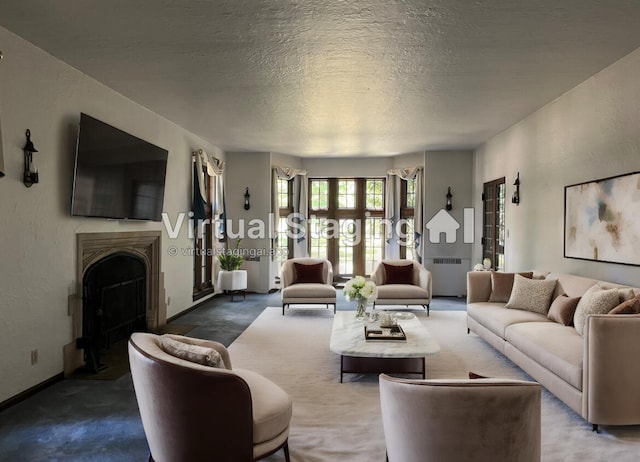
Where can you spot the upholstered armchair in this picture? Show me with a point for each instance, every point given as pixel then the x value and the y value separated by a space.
pixel 307 281
pixel 194 412
pixel 402 282
pixel 484 420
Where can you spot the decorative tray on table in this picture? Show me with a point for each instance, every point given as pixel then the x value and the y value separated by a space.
pixel 384 333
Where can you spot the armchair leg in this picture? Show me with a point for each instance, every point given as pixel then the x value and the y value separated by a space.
pixel 594 428
pixel 286 451
pixel 283 309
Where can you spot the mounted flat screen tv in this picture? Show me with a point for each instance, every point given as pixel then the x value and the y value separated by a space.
pixel 116 174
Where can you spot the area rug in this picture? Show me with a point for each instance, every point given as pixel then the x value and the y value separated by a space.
pixel 341 421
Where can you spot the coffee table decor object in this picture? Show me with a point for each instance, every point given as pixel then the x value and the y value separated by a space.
pixel 384 334
pixel 363 291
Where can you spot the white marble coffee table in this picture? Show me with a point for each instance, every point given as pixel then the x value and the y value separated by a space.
pixel 360 356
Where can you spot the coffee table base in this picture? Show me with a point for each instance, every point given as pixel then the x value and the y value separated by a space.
pixel 371 365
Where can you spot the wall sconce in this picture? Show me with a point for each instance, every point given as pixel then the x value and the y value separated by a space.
pixel 448 205
pixel 516 194
pixel 30 172
pixel 247 196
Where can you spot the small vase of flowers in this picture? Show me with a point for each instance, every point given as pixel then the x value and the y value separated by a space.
pixel 363 292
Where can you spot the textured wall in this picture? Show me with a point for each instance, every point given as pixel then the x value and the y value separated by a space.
pixel 588 133
pixel 38 244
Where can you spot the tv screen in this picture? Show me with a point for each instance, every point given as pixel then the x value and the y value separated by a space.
pixel 116 174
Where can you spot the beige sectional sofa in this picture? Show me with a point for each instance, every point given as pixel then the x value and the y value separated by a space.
pixel 596 374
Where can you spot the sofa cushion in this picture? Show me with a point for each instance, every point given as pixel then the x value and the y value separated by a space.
pixel 556 347
pixel 531 295
pixel 594 301
pixel 305 274
pixel 192 353
pixel 398 274
pixel 501 285
pixel 271 406
pixel 631 306
pixel 309 290
pixel 401 291
pixel 562 309
pixel 496 318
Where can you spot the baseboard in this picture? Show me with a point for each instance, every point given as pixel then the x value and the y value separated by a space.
pixel 30 392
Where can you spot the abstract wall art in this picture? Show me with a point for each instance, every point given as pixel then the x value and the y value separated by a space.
pixel 602 220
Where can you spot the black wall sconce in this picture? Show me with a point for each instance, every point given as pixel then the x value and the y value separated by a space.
pixel 516 194
pixel 448 205
pixel 247 196
pixel 30 172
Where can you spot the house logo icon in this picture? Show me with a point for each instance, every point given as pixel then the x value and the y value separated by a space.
pixel 443 223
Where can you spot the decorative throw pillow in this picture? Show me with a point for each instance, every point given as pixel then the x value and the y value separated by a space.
pixel 501 285
pixel 562 309
pixel 398 274
pixel 625 294
pixel 631 306
pixel 594 301
pixel 473 376
pixel 308 273
pixel 193 353
pixel 531 294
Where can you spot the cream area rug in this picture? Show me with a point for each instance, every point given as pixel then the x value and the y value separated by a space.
pixel 335 421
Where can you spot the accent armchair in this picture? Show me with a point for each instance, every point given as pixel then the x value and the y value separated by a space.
pixel 402 282
pixel 193 412
pixel 484 420
pixel 307 281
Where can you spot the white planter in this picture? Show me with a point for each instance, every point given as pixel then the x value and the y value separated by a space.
pixel 232 280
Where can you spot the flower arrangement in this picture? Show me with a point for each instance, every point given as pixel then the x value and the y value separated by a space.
pixel 361 290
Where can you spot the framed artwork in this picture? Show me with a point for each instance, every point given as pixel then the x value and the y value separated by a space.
pixel 602 220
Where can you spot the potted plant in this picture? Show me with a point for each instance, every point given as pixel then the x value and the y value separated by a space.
pixel 231 277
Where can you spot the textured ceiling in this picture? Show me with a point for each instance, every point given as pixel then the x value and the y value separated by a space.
pixel 343 78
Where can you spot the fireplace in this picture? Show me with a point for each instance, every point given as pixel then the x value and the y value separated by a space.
pixel 119 290
pixel 113 304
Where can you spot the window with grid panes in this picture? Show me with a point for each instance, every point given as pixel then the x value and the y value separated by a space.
pixel 203 243
pixel 284 247
pixel 345 223
pixel 407 207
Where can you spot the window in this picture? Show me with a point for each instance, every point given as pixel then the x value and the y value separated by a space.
pixel 407 206
pixel 493 224
pixel 284 247
pixel 346 223
pixel 203 244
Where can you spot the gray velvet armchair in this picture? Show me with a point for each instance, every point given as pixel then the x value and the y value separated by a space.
pixel 483 420
pixel 191 412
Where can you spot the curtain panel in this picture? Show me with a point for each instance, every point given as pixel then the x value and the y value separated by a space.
pixel 392 209
pixel 214 169
pixel 300 206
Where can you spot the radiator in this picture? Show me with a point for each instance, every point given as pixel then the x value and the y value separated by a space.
pixel 449 275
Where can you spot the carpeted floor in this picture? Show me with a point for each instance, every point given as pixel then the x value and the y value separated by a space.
pixel 334 421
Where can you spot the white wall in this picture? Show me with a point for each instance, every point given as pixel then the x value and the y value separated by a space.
pixel 253 170
pixel 38 241
pixel 590 132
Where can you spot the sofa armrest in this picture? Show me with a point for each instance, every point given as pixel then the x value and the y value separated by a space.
pixel 478 286
pixel 611 370
pixel 424 278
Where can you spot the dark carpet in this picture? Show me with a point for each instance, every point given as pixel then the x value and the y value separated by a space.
pixel 98 420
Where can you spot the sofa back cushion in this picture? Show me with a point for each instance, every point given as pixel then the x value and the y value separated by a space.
pixel 502 284
pixel 531 294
